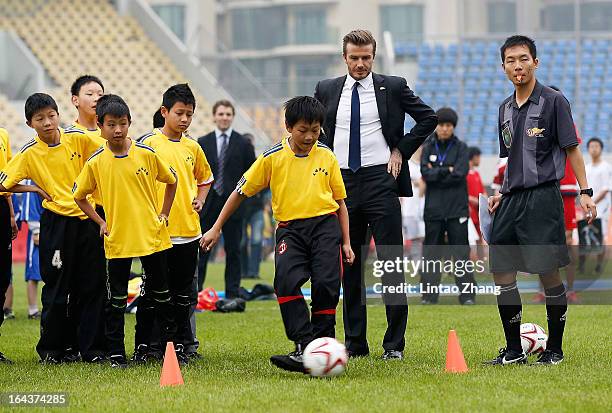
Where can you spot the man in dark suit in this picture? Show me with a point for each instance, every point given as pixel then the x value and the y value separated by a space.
pixel 229 155
pixel 364 126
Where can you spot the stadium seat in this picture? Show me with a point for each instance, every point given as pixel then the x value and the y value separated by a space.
pixel 13 121
pixel 485 86
pixel 42 25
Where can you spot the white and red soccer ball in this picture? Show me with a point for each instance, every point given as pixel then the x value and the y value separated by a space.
pixel 325 357
pixel 533 338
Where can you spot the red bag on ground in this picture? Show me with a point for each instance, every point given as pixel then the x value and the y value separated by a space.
pixel 207 298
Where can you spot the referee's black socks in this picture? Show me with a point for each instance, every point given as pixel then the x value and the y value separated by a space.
pixel 556 311
pixel 510 311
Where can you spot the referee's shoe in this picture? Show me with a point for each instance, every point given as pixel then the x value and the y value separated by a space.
pixel 508 356
pixel 549 357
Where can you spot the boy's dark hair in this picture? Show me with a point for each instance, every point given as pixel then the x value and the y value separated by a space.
pixel 473 151
pixel 82 81
pixel 359 37
pixel 223 102
pixel 178 93
pixel 595 139
pixel 158 119
pixel 447 115
pixel 112 105
pixel 518 40
pixel 38 102
pixel 304 108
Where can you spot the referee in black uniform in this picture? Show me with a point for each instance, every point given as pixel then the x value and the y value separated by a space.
pixel 536 133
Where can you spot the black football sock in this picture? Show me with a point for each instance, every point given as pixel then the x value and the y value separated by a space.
pixel 556 311
pixel 510 311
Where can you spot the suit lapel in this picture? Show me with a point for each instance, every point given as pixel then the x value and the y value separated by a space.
pixel 381 98
pixel 334 102
pixel 336 92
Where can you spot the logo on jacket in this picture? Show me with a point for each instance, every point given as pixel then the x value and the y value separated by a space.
pixel 142 170
pixel 316 171
pixel 190 160
pixel 75 155
pixel 282 247
pixel 535 132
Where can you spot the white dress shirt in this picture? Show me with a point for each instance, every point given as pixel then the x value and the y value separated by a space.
pixel 374 147
pixel 599 177
pixel 218 134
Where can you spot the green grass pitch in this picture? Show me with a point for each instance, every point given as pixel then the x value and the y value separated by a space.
pixel 235 374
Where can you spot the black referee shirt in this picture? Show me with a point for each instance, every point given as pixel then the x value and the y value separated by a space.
pixel 534 138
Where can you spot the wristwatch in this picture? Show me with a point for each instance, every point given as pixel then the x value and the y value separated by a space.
pixel 587 191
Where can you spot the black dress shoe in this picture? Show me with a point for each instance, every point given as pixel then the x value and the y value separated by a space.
pixel 355 354
pixel 393 355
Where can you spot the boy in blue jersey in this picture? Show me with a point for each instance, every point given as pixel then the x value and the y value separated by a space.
pixel 31 210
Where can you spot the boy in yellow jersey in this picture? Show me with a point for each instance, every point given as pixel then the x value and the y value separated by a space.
pixel 126 173
pixel 86 90
pixel 194 177
pixel 313 230
pixel 8 229
pixel 71 263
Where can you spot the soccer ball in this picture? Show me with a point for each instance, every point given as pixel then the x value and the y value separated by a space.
pixel 325 357
pixel 533 338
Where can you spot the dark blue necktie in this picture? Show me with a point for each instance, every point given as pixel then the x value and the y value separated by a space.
pixel 354 158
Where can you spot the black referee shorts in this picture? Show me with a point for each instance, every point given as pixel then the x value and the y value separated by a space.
pixel 528 232
pixel 308 249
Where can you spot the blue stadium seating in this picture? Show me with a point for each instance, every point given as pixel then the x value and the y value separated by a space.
pixel 484 84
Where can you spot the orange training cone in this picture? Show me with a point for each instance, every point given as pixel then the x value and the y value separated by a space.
pixel 171 372
pixel 455 362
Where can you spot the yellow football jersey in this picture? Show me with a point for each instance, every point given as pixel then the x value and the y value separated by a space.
pixel 96 136
pixel 5 151
pixel 187 159
pixel 302 186
pixel 54 169
pixel 5 148
pixel 128 186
